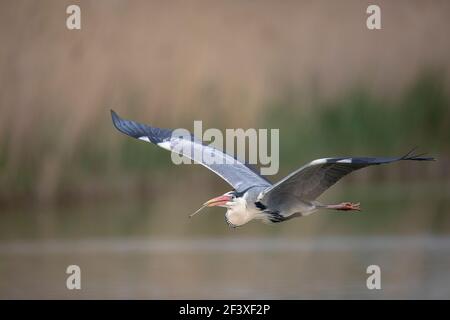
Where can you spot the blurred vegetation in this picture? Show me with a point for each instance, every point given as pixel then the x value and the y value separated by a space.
pixel 359 121
pixel 230 64
pixel 104 164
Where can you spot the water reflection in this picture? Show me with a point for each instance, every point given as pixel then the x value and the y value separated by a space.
pixel 137 250
pixel 331 267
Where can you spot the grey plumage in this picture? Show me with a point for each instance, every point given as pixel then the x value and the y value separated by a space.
pixel 254 197
pixel 239 175
pixel 311 180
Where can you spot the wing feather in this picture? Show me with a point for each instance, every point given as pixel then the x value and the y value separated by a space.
pixel 311 180
pixel 239 175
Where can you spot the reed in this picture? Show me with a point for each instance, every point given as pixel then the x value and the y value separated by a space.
pixel 230 64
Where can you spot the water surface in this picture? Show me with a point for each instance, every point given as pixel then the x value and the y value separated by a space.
pixel 151 250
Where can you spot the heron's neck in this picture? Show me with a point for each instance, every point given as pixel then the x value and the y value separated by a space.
pixel 240 212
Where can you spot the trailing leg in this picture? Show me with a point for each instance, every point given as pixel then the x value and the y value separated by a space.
pixel 344 206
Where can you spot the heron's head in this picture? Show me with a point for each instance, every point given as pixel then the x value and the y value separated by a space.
pixel 226 200
pixel 236 204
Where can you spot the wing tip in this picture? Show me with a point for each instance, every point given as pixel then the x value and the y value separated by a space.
pixel 416 157
pixel 138 130
pixel 115 119
pixel 124 126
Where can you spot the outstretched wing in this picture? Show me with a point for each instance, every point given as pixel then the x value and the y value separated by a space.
pixel 311 180
pixel 236 173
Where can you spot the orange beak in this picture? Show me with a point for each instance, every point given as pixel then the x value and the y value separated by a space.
pixel 219 201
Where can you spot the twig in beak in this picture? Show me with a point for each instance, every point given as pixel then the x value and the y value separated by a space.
pixel 201 208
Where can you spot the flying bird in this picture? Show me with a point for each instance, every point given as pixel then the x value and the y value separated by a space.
pixel 253 196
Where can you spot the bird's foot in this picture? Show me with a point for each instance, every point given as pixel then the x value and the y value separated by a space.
pixel 345 206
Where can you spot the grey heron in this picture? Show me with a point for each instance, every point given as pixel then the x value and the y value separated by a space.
pixel 253 196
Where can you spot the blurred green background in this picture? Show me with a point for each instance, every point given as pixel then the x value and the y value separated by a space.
pixel 75 191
